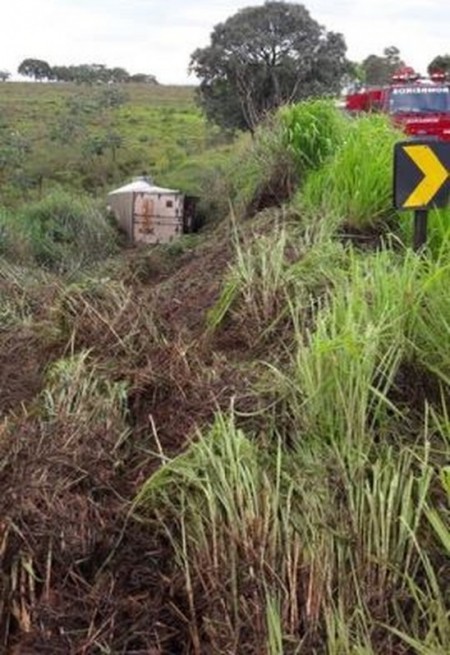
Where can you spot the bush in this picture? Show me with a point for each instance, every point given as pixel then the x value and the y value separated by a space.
pixel 312 131
pixel 59 233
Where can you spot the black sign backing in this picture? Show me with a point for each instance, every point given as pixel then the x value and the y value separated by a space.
pixel 421 175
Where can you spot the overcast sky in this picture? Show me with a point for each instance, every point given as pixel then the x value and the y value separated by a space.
pixel 156 36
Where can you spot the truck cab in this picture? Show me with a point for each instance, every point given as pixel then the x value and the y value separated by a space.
pixel 421 110
pixel 419 106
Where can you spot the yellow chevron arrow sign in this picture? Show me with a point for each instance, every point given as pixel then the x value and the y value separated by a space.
pixel 435 175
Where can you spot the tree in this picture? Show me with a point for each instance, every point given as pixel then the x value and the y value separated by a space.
pixel 36 68
pixel 354 75
pixel 90 74
pixel 379 70
pixel 440 64
pixel 62 73
pixel 262 57
pixel 118 75
pixel 393 59
pixel 143 78
pixel 4 75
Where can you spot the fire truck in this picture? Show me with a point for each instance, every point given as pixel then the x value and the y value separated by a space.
pixel 419 106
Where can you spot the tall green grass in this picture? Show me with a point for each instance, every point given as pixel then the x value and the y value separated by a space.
pixel 344 368
pixel 280 550
pixel 355 185
pixel 232 521
pixel 432 321
pixel 284 264
pixel 438 237
pixel 299 138
pixel 312 131
pixel 261 171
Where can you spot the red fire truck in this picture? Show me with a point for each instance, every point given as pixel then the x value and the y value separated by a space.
pixel 420 106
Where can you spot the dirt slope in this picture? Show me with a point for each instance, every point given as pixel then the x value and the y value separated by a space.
pixel 78 575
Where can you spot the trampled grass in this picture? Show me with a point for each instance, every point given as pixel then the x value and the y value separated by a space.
pixel 76 390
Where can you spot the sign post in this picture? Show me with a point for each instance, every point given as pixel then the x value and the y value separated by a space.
pixel 420 229
pixel 421 181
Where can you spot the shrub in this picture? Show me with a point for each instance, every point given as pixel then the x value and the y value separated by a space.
pixel 63 233
pixel 312 131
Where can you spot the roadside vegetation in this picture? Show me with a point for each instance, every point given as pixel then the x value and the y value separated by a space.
pixel 238 443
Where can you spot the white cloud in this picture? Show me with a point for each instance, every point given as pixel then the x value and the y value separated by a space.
pixel 158 37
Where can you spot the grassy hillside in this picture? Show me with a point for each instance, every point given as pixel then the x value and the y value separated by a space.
pixel 89 138
pixel 238 443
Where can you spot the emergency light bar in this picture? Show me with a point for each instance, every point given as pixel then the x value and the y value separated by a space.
pixel 405 74
pixel 438 76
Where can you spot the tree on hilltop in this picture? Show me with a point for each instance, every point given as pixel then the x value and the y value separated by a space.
pixel 35 68
pixel 118 75
pixel 379 70
pixel 262 57
pixel 4 75
pixel 440 64
pixel 97 74
pixel 143 78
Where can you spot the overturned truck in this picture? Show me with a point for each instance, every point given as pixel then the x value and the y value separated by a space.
pixel 151 214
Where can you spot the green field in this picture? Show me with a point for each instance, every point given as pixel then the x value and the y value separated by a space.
pixel 238 443
pixel 89 139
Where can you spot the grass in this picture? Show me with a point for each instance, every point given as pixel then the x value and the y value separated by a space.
pixel 438 231
pixel 354 187
pixel 344 369
pixel 68 136
pixel 311 513
pixel 261 172
pixel 346 465
pixel 60 233
pixel 20 290
pixel 232 521
pixel 274 269
pixel 267 170
pixel 312 132
pixel 76 390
